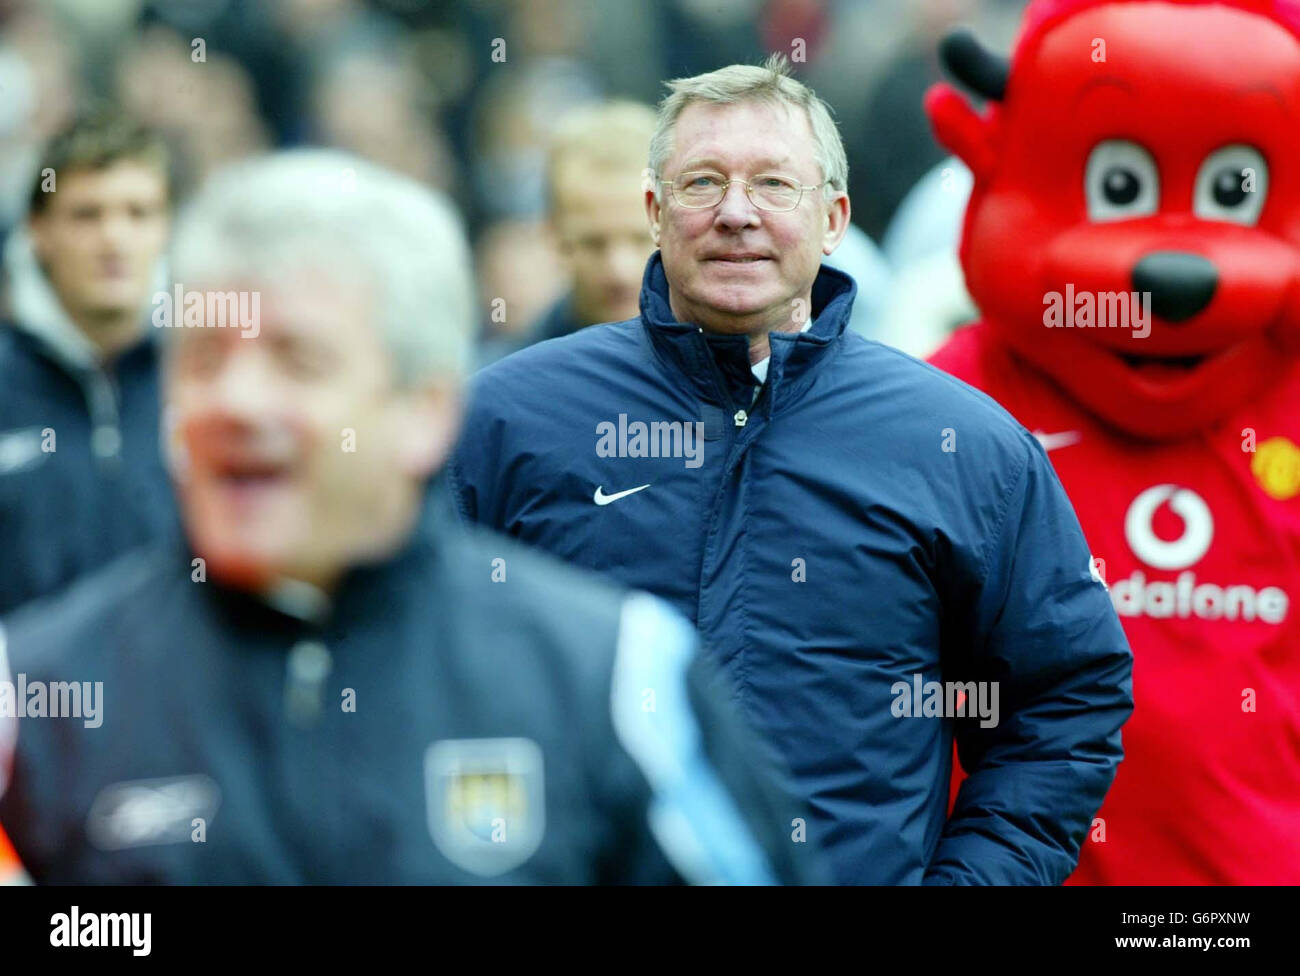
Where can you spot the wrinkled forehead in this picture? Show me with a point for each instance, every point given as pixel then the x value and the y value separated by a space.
pixel 754 135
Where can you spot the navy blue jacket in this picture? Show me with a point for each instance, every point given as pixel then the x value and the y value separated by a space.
pixel 865 526
pixel 81 475
pixel 465 711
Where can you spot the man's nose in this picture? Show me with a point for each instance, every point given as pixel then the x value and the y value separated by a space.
pixel 736 209
pixel 115 229
pixel 1181 284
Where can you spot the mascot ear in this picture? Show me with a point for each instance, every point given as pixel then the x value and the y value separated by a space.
pixel 956 125
pixel 960 130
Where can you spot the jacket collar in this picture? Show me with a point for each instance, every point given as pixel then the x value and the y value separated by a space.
pixel 717 366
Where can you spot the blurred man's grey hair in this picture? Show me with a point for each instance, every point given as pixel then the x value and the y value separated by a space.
pixel 308 208
pixel 770 83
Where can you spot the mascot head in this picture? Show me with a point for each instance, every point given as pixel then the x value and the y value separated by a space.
pixel 1134 230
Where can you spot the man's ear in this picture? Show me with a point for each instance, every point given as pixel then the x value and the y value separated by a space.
pixel 838 214
pixel 653 211
pixel 428 422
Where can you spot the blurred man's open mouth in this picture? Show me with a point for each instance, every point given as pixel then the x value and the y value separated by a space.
pixel 252 481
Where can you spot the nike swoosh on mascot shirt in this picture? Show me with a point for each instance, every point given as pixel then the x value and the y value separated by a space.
pixel 1051 442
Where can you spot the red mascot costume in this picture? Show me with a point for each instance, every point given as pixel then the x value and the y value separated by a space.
pixel 1133 244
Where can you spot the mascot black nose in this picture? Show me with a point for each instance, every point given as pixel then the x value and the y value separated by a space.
pixel 1180 284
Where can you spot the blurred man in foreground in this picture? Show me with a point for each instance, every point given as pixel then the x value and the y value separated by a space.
pixel 81 478
pixel 335 683
pixel 880 555
pixel 595 168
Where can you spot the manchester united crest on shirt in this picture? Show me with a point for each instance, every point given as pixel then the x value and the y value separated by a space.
pixel 1276 466
pixel 486 802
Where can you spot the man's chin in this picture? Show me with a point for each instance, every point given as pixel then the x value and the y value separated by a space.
pixel 741 307
pixel 115 300
pixel 238 555
pixel 739 282
pixel 240 571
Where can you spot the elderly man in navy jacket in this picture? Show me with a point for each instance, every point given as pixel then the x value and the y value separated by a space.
pixel 880 556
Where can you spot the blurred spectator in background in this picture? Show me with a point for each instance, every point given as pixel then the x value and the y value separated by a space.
pixel 369 103
pixel 39 89
pixel 80 474
pixel 535 73
pixel 595 170
pixel 207 110
pixel 520 275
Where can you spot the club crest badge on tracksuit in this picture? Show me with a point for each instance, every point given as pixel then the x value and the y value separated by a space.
pixel 486 802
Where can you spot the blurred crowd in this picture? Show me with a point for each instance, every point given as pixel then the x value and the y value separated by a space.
pixel 468 95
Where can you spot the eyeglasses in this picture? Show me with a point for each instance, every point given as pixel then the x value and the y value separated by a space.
pixel 775 194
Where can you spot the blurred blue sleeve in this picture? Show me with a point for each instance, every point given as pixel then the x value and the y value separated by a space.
pixel 720 810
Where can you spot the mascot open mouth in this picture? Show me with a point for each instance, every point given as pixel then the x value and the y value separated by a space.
pixel 1157 367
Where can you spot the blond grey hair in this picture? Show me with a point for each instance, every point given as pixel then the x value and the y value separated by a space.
pixel 771 83
pixel 326 208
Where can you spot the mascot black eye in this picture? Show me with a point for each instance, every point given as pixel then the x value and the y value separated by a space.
pixel 1227 188
pixel 1121 186
pixel 1120 181
pixel 1232 185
